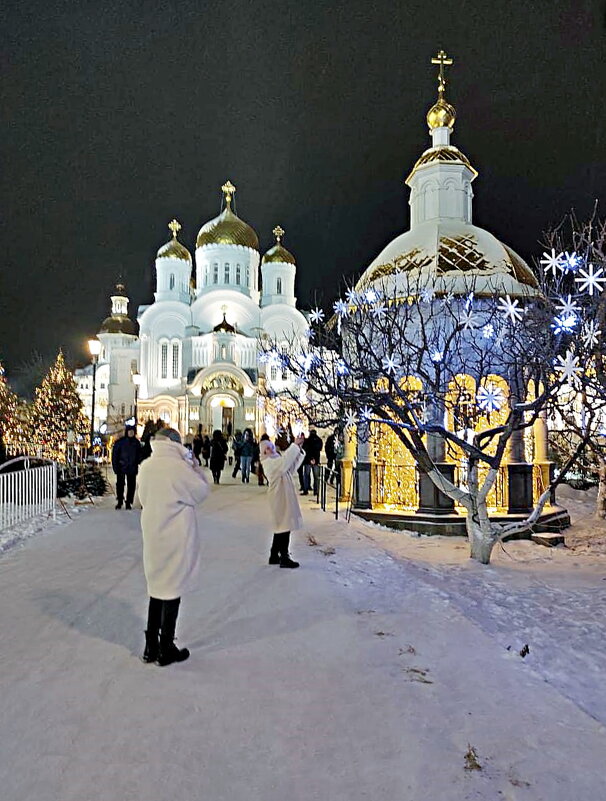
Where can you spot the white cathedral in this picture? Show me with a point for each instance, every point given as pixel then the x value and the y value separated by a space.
pixel 196 358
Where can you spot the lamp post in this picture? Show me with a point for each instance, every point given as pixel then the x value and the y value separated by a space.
pixel 94 347
pixel 137 382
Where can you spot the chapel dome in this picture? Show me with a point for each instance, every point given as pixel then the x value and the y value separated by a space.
pixel 224 327
pixel 118 324
pixel 227 228
pixel 450 256
pixel 441 115
pixel 278 252
pixel 173 249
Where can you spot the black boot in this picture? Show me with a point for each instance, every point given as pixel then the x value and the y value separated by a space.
pixel 151 647
pixel 274 554
pixel 285 560
pixel 168 651
pixel 119 505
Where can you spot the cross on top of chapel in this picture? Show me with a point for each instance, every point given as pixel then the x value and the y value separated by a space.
pixel 278 232
pixel 229 191
pixel 175 227
pixel 443 61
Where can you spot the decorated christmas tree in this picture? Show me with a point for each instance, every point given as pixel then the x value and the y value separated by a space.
pixel 8 406
pixel 57 414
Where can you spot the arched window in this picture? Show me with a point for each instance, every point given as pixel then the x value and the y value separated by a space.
pixel 215 272
pixel 247 275
pixel 164 360
pixel 226 273
pixel 278 286
pixel 171 282
pixel 238 274
pixel 206 275
pixel 175 360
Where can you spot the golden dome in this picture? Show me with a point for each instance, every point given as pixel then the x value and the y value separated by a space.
pixel 174 249
pixel 441 115
pixel 278 252
pixel 444 154
pixel 227 228
pixel 118 324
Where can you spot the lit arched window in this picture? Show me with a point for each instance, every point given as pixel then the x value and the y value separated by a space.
pixel 278 286
pixel 226 273
pixel 164 360
pixel 238 274
pixel 215 273
pixel 171 282
pixel 175 360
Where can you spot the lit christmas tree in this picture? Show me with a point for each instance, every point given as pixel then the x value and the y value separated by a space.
pixel 57 412
pixel 8 405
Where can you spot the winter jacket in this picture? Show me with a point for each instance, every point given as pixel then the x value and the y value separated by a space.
pixel 312 447
pixel 218 451
pixel 170 489
pixel 197 445
pixel 247 448
pixel 329 448
pixel 282 494
pixel 126 455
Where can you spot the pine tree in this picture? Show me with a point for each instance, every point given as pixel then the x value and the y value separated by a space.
pixel 57 412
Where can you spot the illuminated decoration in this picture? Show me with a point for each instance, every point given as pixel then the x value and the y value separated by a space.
pixel 564 325
pixel 447 299
pixel 57 412
pixel 468 319
pixel 488 331
pixel 570 262
pixel 341 368
pixel 510 309
pixel 590 334
pixel 427 295
pixel 316 315
pixel 437 356
pixel 568 366
pixel 379 311
pixel 490 398
pixel 352 296
pixel 591 279
pixel 351 420
pixel 552 262
pixel 365 414
pixel 389 365
pixel 568 307
pixel 340 308
pixel 371 295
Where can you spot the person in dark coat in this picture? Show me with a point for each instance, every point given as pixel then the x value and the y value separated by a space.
pixel 218 452
pixel 247 454
pixel 237 451
pixel 126 456
pixel 329 450
pixel 148 432
pixel 311 466
pixel 206 449
pixel 198 445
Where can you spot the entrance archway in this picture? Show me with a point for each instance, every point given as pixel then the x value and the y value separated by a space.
pixel 222 413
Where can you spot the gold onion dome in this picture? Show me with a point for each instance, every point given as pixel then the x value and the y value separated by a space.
pixel 224 326
pixel 227 228
pixel 278 252
pixel 118 323
pixel 441 114
pixel 174 249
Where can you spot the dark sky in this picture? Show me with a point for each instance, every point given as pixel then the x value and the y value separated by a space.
pixel 117 117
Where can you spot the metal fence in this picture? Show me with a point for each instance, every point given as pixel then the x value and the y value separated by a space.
pixel 28 488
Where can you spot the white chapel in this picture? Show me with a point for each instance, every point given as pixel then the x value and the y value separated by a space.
pixel 195 359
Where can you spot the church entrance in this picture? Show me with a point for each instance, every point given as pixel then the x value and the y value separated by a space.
pixel 222 411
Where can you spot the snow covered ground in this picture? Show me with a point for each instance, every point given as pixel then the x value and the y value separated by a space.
pixel 369 673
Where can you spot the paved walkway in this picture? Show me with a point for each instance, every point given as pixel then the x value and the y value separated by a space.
pixel 327 682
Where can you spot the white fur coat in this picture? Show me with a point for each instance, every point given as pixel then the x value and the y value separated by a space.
pixel 282 493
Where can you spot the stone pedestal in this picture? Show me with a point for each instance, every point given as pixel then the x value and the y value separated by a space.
pixel 520 488
pixel 431 499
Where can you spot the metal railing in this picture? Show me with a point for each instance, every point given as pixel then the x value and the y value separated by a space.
pixel 329 480
pixel 26 491
pixel 395 485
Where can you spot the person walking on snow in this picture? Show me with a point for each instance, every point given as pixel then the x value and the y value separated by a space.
pixel 247 451
pixel 218 452
pixel 126 456
pixel 171 485
pixel 280 469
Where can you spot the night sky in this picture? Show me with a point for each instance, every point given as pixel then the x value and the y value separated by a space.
pixel 117 117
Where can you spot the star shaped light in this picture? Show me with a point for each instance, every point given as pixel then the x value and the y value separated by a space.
pixel 490 398
pixel 510 308
pixel 351 420
pixel 468 319
pixel 371 295
pixel 590 334
pixel 352 296
pixel 567 306
pixel 365 414
pixel 590 279
pixel 341 368
pixel 564 325
pixel 437 356
pixel 552 262
pixel 488 331
pixel 568 366
pixel 379 310
pixel 316 315
pixel 340 308
pixel 389 365
pixel 427 295
pixel 570 262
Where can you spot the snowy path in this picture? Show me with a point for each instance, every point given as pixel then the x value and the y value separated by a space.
pixel 351 678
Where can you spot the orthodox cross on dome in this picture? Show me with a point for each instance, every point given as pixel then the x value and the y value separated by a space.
pixel 229 191
pixel 175 227
pixel 278 232
pixel 443 61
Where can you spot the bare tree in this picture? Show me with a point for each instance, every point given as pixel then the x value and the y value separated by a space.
pixel 451 369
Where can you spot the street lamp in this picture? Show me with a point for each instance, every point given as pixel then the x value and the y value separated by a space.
pixel 94 347
pixel 137 382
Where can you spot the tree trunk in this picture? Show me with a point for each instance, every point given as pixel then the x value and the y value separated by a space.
pixel 600 507
pixel 481 537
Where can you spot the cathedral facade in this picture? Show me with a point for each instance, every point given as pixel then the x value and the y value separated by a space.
pixel 195 357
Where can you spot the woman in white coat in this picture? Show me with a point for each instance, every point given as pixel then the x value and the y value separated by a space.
pixel 280 469
pixel 171 485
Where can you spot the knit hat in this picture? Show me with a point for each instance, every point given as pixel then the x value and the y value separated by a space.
pixel 168 433
pixel 267 450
